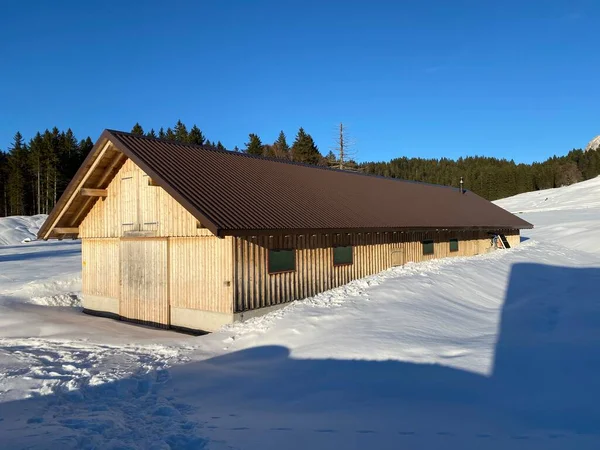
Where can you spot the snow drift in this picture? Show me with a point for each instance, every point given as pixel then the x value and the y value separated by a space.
pixel 20 229
pixel 495 351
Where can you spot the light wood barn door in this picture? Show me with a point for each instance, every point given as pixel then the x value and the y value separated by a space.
pixel 144 281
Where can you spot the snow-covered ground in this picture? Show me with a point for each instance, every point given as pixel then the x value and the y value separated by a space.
pixel 495 351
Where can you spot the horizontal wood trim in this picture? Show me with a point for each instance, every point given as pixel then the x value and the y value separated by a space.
pixel 66 230
pixel 89 192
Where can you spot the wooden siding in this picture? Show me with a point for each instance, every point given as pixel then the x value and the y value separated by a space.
pixel 144 280
pixel 133 205
pixel 201 273
pixel 315 272
pixel 100 267
pixel 513 238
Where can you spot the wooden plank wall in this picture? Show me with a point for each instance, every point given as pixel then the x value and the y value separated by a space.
pixel 315 272
pixel 144 280
pixel 133 205
pixel 513 238
pixel 100 267
pixel 201 273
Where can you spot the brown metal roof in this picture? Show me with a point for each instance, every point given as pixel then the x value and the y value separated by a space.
pixel 236 193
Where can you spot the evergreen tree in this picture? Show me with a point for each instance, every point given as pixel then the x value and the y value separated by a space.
pixel 137 129
pixel 254 145
pixel 180 132
pixel 169 134
pixel 4 173
pixel 195 136
pixel 220 146
pixel 281 149
pixel 151 133
pixel 162 134
pixel 17 187
pixel 331 159
pixel 304 149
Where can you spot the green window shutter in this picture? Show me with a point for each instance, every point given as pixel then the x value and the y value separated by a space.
pixel 428 247
pixel 342 255
pixel 282 261
pixel 453 245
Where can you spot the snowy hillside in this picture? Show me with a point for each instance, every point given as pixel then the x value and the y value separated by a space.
pixel 17 229
pixel 567 216
pixel 495 351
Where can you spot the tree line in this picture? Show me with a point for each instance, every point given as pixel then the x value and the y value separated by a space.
pixel 34 174
pixel 493 178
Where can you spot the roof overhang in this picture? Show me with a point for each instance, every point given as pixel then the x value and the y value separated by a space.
pixel 96 172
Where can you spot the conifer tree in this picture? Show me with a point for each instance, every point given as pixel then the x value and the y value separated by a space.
pixel 304 149
pixel 17 175
pixel 195 136
pixel 151 133
pixel 254 145
pixel 180 132
pixel 162 134
pixel 281 149
pixel 137 129
pixel 220 146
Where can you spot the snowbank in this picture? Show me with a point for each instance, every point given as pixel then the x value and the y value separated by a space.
pixel 20 229
pixel 495 351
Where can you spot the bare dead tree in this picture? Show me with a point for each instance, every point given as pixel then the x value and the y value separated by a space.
pixel 343 150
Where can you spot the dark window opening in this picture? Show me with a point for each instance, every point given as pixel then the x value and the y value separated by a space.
pixel 453 245
pixel 282 261
pixel 342 255
pixel 428 247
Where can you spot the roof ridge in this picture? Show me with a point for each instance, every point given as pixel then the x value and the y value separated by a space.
pixel 278 160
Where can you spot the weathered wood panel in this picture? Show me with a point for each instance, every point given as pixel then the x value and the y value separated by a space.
pixel 132 204
pixel 201 273
pixel 315 272
pixel 144 280
pixel 100 267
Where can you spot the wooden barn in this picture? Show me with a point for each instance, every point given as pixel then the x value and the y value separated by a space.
pixel 182 236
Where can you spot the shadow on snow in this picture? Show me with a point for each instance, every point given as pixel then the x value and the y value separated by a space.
pixel 544 378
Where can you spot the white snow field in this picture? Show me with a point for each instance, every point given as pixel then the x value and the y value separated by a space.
pixel 497 351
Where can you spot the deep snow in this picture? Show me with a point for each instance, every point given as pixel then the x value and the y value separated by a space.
pixel 494 351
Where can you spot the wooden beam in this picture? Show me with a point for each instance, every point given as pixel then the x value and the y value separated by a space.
pixel 88 192
pixel 65 230
pixel 151 182
pixel 107 175
pixel 79 185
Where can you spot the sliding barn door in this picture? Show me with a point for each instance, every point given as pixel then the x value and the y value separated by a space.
pixel 144 281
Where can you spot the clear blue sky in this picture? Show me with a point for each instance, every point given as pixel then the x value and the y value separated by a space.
pixel 515 79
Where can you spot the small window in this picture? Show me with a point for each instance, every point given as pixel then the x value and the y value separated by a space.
pixel 453 245
pixel 428 247
pixel 342 255
pixel 282 261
